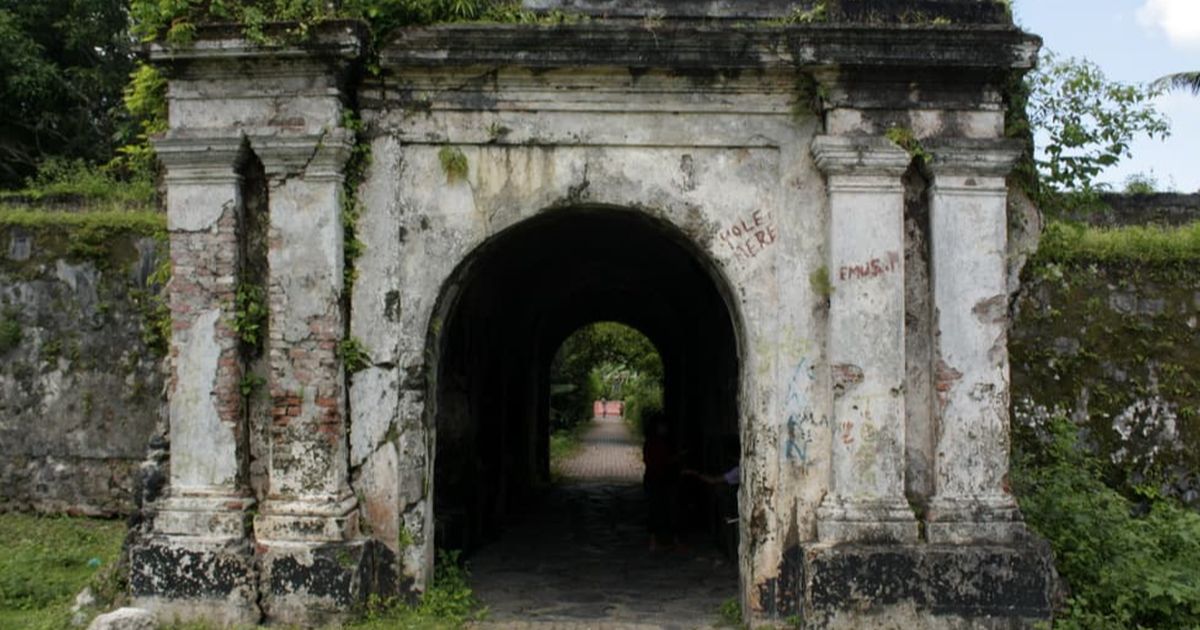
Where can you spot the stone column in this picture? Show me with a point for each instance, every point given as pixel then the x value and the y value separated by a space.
pixel 309 497
pixel 197 562
pixel 207 495
pixel 866 501
pixel 969 274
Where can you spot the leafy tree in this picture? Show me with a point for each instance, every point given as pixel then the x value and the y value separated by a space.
pixel 1180 81
pixel 606 360
pixel 1141 184
pixel 64 64
pixel 1089 123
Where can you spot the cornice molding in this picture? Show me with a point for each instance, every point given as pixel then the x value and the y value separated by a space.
pixel 863 156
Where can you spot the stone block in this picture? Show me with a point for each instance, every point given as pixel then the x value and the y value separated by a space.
pixel 125 619
pixel 920 585
pixel 313 585
pixel 185 578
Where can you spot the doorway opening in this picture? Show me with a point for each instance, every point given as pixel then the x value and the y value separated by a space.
pixel 514 314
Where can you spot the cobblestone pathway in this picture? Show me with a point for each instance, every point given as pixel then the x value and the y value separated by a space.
pixel 608 453
pixel 580 561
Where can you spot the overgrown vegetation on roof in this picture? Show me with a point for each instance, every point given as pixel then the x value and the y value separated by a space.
pixel 1072 242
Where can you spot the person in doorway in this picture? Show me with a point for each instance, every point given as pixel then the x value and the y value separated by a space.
pixel 731 477
pixel 661 479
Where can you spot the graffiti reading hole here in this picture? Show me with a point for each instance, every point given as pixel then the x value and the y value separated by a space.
pixel 749 236
pixel 870 269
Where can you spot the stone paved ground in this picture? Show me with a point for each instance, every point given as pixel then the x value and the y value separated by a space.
pixel 608 453
pixel 580 561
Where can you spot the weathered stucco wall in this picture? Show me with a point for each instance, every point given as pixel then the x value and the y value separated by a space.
pixel 710 167
pixel 80 390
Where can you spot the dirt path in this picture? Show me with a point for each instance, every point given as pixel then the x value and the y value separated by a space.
pixel 580 560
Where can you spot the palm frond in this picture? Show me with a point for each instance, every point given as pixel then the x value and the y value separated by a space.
pixel 1180 81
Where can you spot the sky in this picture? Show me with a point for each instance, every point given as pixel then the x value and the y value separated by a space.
pixel 1134 41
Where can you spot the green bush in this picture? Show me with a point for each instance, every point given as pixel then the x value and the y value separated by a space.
pixel 644 396
pixel 1129 561
pixel 61 177
pixel 448 603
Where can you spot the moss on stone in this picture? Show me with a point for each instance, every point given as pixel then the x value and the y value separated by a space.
pixel 10 332
pixel 1106 329
pixel 83 235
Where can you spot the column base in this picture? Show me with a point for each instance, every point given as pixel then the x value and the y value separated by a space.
pixel 188 578
pixel 314 585
pixel 964 521
pixel 913 586
pixel 849 520
pixel 308 520
pixel 207 514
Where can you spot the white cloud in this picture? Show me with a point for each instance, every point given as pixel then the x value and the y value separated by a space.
pixel 1178 19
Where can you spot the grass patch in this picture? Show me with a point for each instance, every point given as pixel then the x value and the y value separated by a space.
pixel 146 222
pixel 1072 242
pixel 45 561
pixel 564 443
pixel 729 614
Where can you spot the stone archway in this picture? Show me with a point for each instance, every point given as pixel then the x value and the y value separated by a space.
pixel 869 288
pixel 516 297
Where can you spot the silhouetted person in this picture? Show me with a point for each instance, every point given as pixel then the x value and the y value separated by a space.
pixel 661 480
pixel 731 477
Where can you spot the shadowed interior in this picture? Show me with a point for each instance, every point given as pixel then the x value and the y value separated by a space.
pixel 509 308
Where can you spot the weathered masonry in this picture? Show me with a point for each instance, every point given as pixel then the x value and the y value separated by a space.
pixel 809 220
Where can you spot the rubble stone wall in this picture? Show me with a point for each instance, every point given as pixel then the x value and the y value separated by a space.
pixel 80 390
pixel 1112 342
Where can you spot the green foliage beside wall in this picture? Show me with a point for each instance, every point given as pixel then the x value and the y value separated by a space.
pixel 1127 563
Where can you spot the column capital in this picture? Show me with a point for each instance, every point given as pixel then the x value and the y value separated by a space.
pixel 865 156
pixel 964 157
pixel 193 159
pixel 317 156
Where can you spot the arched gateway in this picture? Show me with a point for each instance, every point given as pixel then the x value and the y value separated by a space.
pixel 828 302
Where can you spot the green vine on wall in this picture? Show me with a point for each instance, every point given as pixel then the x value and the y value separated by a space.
pixel 250 315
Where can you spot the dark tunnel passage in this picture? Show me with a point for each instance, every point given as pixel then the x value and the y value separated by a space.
pixel 514 302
